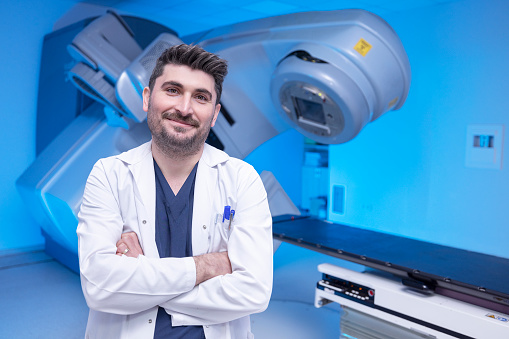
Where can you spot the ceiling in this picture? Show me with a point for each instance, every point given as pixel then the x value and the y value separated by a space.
pixel 186 17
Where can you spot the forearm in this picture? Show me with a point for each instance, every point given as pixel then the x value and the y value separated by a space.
pixel 119 284
pixel 211 265
pixel 218 300
pixel 227 297
pixel 125 285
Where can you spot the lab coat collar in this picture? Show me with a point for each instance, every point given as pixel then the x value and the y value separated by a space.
pixel 137 154
pixel 211 155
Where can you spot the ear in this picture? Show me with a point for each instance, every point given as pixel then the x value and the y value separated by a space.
pixel 146 98
pixel 216 112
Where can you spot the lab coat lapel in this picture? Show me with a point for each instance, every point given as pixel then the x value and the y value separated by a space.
pixel 142 170
pixel 207 198
pixel 204 187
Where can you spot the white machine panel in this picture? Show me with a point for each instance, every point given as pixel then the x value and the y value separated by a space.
pixel 426 315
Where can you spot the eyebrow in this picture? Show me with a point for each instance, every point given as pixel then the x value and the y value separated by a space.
pixel 171 83
pixel 179 85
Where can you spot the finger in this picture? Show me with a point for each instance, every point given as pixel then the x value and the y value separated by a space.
pixel 134 248
pixel 129 235
pixel 131 244
pixel 121 248
pixel 121 241
pixel 131 240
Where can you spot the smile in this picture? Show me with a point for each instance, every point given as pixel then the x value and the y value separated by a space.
pixel 183 123
pixel 181 120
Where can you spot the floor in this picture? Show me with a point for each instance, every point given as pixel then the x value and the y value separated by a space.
pixel 40 298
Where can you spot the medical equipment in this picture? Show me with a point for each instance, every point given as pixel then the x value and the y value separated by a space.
pixel 102 51
pixel 330 88
pixel 436 290
pixel 268 59
pixel 375 301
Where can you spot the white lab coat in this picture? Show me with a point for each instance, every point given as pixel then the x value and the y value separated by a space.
pixel 124 293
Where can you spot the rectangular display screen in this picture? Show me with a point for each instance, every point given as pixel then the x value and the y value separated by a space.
pixel 309 110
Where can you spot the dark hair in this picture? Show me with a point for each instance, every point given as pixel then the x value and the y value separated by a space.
pixel 196 58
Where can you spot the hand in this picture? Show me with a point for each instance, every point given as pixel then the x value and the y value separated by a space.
pixel 129 241
pixel 211 265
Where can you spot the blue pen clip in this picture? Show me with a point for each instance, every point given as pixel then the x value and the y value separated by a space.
pixel 226 214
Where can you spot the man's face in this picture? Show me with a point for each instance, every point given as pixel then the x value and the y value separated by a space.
pixel 181 109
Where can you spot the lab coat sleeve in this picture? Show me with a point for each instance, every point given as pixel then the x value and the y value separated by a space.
pixel 247 290
pixel 120 284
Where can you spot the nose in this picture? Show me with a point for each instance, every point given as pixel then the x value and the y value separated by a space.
pixel 184 105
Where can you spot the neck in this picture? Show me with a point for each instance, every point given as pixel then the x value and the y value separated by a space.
pixel 175 168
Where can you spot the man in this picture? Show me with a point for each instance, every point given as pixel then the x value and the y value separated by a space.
pixel 175 237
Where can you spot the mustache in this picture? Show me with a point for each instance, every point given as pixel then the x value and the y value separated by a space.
pixel 177 116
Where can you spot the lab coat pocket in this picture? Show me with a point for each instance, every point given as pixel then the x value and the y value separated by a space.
pixel 219 234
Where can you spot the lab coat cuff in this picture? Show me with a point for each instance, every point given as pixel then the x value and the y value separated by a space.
pixel 190 266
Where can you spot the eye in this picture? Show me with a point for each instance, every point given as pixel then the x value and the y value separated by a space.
pixel 202 97
pixel 172 90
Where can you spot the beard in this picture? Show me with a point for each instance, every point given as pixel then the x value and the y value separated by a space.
pixel 172 144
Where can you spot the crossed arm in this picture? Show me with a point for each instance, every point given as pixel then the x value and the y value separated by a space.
pixel 208 265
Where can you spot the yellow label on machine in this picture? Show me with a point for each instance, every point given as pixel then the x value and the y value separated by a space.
pixel 363 47
pixel 392 102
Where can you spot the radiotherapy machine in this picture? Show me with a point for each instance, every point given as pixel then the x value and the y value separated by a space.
pixel 325 74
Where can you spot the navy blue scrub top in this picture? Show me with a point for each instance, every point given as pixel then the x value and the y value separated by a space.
pixel 174 216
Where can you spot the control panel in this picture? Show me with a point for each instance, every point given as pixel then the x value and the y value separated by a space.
pixel 346 289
